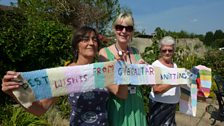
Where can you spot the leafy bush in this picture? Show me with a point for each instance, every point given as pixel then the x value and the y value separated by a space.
pixel 32 45
pixel 27 45
pixel 151 53
pixel 64 107
pixel 215 59
pixel 184 59
pixel 17 116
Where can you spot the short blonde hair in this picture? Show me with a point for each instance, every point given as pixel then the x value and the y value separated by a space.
pixel 124 17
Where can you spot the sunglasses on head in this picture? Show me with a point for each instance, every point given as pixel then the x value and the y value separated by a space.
pixel 121 27
pixel 167 50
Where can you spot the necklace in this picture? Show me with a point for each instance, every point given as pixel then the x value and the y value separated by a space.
pixel 120 53
pixel 131 89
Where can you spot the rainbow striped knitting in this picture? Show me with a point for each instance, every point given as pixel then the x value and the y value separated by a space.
pixel 200 86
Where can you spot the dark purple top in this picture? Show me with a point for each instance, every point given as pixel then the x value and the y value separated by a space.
pixel 89 108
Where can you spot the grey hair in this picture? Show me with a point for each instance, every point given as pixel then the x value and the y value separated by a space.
pixel 167 40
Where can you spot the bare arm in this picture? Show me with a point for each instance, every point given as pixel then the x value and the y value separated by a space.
pixel 37 108
pixel 40 107
pixel 120 91
pixel 161 88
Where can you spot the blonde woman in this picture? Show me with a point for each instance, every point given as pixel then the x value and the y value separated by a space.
pixel 129 111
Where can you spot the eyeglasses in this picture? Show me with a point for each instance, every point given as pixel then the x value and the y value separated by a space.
pixel 166 50
pixel 87 39
pixel 121 27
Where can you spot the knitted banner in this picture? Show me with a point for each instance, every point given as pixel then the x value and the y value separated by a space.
pixel 53 82
pixel 200 86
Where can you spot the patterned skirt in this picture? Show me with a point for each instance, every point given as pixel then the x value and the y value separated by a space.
pixel 161 114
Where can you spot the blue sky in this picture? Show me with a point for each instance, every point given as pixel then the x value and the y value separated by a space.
pixel 193 16
pixel 7 2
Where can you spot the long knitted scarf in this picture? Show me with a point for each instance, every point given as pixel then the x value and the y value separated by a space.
pixel 53 82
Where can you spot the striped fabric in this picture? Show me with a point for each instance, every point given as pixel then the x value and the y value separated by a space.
pixel 54 82
pixel 204 81
pixel 162 114
pixel 200 86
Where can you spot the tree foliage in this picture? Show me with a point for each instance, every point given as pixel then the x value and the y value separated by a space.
pixel 76 13
pixel 209 38
pixel 218 34
pixel 151 53
pixel 214 59
pixel 159 32
pixel 26 46
pixel 215 40
pixel 37 33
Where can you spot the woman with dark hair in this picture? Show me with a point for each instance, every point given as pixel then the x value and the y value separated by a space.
pixel 88 108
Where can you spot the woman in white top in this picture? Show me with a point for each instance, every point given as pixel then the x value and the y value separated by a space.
pixel 164 97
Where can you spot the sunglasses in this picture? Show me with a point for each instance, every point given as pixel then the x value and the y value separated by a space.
pixel 166 50
pixel 121 27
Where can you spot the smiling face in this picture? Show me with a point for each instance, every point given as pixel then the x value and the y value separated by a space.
pixel 123 28
pixel 167 52
pixel 123 32
pixel 88 46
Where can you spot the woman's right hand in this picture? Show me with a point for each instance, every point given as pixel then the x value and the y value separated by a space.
pixel 10 82
pixel 7 82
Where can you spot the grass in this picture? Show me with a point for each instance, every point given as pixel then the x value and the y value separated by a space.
pixel 15 115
